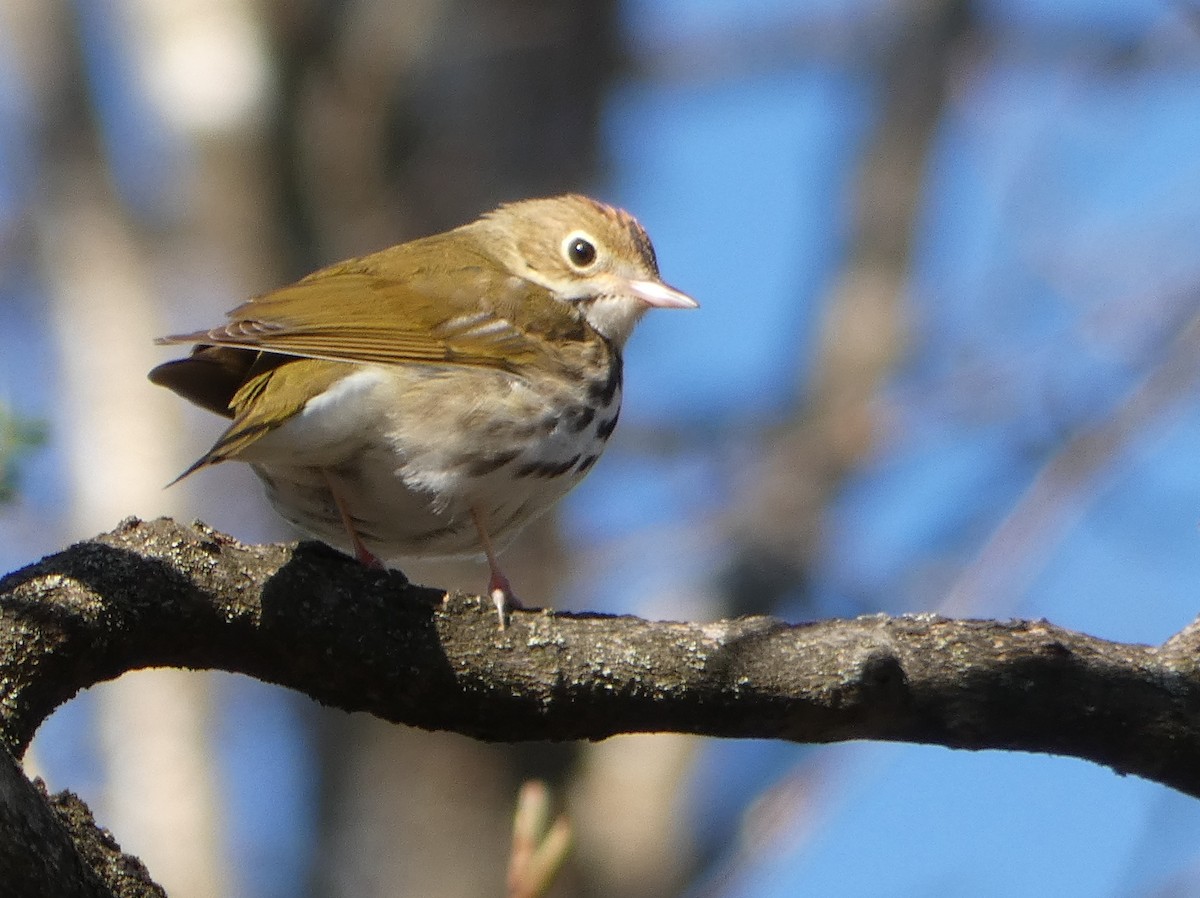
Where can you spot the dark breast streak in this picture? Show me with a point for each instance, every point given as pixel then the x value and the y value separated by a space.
pixel 601 392
pixel 587 423
pixel 600 410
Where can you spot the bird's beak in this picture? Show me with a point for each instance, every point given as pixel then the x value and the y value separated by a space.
pixel 659 295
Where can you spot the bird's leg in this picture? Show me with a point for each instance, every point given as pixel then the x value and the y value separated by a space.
pixel 361 552
pixel 498 586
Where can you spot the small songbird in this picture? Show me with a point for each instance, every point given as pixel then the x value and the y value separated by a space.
pixel 430 399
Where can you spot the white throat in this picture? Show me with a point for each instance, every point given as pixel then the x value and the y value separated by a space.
pixel 614 316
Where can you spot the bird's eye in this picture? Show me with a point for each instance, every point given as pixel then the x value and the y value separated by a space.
pixel 580 251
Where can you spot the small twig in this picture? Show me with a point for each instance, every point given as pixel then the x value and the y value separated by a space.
pixel 539 847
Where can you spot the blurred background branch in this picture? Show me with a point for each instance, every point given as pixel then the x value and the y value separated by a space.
pixel 18 436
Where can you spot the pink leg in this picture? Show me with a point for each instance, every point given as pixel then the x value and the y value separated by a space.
pixel 361 552
pixel 498 586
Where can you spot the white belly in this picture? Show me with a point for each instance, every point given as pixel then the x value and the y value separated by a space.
pixel 410 459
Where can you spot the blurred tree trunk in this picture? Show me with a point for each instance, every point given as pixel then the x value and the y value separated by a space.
pixel 161 790
pixel 112 231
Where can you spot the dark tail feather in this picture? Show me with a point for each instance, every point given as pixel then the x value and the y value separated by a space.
pixel 209 377
pixel 203 462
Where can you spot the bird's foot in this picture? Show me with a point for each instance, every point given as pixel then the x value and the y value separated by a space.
pixel 503 596
pixel 366 558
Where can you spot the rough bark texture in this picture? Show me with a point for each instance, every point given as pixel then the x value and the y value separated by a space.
pixel 50 845
pixel 162 594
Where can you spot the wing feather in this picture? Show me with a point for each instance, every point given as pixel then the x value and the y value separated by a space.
pixel 360 312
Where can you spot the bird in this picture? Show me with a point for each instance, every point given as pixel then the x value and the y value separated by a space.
pixel 430 399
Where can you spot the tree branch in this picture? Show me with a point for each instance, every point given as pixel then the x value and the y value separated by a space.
pixel 51 845
pixel 162 594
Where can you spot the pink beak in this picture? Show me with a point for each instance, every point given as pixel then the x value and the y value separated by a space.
pixel 659 295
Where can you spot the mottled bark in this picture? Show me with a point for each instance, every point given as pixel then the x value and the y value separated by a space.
pixel 162 594
pixel 50 845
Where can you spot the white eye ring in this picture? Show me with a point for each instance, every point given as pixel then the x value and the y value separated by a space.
pixel 579 249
